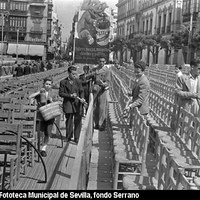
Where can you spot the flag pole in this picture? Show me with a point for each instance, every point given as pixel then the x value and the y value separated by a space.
pixel 74 43
pixel 75 19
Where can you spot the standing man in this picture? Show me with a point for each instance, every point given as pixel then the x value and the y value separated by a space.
pixel 102 81
pixel 72 93
pixel 188 88
pixel 140 91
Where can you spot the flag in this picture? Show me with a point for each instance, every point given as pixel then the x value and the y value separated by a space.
pixel 75 19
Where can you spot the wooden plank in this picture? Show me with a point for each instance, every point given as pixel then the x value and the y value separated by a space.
pixel 63 175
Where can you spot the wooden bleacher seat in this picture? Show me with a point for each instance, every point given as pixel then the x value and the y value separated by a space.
pixel 10 150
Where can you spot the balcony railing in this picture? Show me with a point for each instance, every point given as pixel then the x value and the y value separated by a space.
pixel 19 12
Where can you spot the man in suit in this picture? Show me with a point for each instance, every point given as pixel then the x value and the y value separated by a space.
pixel 140 90
pixel 72 92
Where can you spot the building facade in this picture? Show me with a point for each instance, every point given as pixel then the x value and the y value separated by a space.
pixel 27 27
pixel 155 17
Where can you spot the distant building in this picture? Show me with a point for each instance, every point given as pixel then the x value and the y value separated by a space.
pixel 54 42
pixel 27 27
pixel 153 17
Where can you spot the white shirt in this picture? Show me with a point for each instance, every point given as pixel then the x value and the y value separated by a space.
pixel 179 74
pixel 193 82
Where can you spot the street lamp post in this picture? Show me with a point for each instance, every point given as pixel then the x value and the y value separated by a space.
pixel 2 37
pixel 190 31
pixel 17 44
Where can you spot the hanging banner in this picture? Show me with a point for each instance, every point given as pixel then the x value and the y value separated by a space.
pixel 92 32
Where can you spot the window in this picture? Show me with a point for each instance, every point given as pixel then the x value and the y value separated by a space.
pixel 3 5
pixel 18 6
pixel 16 22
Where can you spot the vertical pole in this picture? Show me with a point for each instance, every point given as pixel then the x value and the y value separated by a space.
pixel 17 44
pixel 2 30
pixel 74 43
pixel 190 33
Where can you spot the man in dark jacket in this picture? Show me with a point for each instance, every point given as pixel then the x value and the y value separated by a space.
pixel 27 69
pixel 19 70
pixel 140 91
pixel 72 93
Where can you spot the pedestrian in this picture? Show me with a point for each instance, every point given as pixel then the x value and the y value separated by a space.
pixel 101 82
pixel 73 97
pixel 27 69
pixel 140 91
pixel 13 69
pixel 44 96
pixel 188 88
pixel 19 71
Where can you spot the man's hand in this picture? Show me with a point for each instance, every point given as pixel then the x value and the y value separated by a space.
pixel 74 95
pixel 83 101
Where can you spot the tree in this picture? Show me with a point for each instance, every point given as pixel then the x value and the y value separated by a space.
pixel 119 44
pixel 166 44
pixel 152 42
pixel 179 40
pixel 136 45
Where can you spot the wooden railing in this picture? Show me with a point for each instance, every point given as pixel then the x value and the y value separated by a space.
pixel 78 180
pixel 176 152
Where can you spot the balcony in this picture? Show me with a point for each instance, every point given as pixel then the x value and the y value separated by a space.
pixel 18 12
pixel 37 3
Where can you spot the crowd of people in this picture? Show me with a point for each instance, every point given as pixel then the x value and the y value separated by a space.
pixel 25 67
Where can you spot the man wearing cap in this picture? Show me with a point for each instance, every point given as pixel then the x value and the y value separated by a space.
pixel 140 90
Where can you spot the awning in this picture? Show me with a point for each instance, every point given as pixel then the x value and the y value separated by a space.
pixel 36 50
pixel 21 48
pixel 25 49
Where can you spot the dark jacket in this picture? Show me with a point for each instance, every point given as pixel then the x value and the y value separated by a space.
pixel 19 71
pixel 86 86
pixel 71 104
pixel 140 95
pixel 27 70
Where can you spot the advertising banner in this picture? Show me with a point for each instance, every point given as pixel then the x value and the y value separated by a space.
pixel 92 32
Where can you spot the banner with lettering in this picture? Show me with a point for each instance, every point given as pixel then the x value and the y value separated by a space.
pixel 92 32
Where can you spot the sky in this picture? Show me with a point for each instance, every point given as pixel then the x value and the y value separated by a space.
pixel 66 9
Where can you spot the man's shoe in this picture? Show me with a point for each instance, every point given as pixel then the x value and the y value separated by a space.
pixel 68 139
pixel 96 127
pixel 43 153
pixel 76 141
